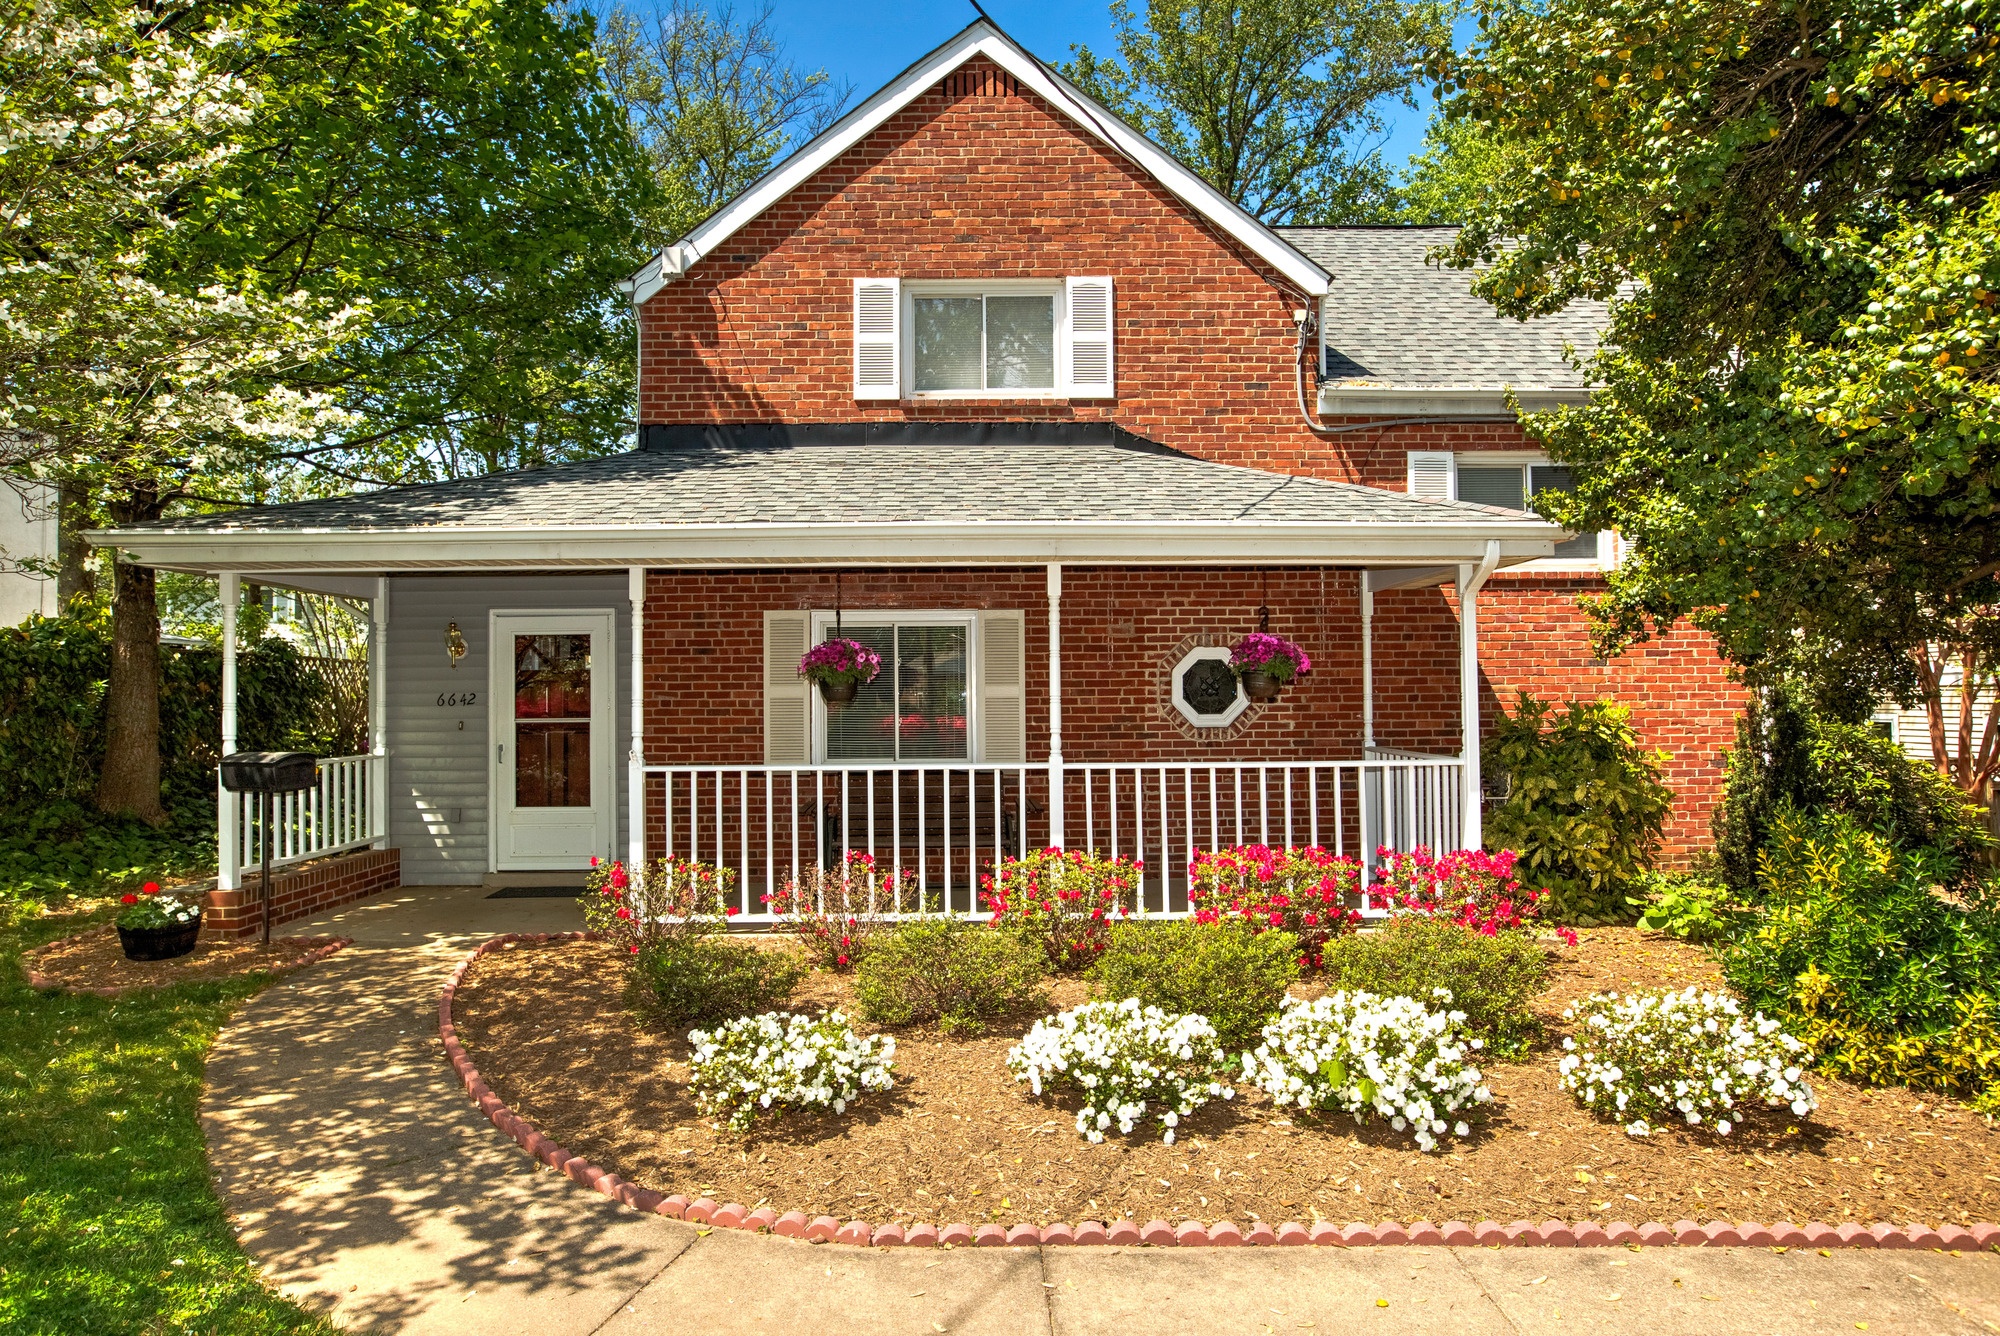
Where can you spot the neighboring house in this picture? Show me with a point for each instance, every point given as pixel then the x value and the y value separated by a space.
pixel 982 377
pixel 27 551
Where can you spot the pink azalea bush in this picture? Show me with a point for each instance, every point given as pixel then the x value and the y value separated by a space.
pixel 1469 887
pixel 1065 901
pixel 840 660
pixel 1304 890
pixel 837 914
pixel 1281 658
pixel 675 899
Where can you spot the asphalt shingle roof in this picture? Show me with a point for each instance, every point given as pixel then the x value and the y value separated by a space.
pixel 1396 320
pixel 854 484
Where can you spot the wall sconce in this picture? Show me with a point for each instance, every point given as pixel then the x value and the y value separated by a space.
pixel 454 644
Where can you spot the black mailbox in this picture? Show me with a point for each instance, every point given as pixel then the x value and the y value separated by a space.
pixel 269 772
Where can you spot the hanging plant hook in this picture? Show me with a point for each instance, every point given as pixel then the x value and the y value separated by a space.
pixel 1264 608
pixel 838 576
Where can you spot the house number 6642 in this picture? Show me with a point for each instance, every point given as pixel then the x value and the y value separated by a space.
pixel 458 698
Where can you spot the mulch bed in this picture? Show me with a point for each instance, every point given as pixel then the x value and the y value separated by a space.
pixel 94 962
pixel 550 1030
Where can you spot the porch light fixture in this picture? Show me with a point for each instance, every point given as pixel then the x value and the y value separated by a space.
pixel 454 644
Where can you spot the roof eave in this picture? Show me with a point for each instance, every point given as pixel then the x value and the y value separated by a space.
pixel 1337 400
pixel 1131 543
pixel 978 38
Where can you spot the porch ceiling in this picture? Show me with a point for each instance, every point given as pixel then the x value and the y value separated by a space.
pixel 735 504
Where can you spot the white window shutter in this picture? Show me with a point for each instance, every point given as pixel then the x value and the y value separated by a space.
pixel 878 338
pixel 1003 725
pixel 1089 360
pixel 1432 474
pixel 787 696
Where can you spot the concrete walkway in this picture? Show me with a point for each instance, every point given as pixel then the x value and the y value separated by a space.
pixel 368 1187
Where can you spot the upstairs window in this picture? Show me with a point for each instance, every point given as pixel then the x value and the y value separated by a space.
pixel 989 341
pixel 1509 482
pixel 1029 338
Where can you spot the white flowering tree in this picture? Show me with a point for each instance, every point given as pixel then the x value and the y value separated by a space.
pixel 124 371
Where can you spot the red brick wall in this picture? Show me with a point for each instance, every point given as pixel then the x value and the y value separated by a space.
pixel 302 892
pixel 976 179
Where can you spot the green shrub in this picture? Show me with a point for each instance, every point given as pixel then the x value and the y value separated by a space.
pixel 957 975
pixel 1881 975
pixel 1584 807
pixel 1680 904
pixel 1229 972
pixel 1491 979
pixel 1789 755
pixel 692 979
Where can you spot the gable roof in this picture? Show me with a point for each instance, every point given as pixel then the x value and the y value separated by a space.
pixel 793 495
pixel 980 38
pixel 1394 320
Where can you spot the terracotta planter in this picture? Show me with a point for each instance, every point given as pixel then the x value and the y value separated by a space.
pixel 160 943
pixel 840 692
pixel 1260 684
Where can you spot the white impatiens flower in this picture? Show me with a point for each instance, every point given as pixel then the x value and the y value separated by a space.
pixel 1692 1053
pixel 1141 1058
pixel 1360 1053
pixel 785 1060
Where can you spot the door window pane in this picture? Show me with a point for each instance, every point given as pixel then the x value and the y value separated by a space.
pixel 865 728
pixel 930 690
pixel 552 721
pixel 947 332
pixel 1557 478
pixel 1492 487
pixel 1020 343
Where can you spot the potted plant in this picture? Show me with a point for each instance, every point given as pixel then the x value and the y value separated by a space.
pixel 1264 663
pixel 840 668
pixel 157 926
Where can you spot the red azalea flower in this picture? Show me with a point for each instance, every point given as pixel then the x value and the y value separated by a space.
pixel 624 913
pixel 151 888
pixel 730 912
pixel 128 899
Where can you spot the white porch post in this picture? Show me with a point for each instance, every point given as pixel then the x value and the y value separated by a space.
pixel 635 763
pixel 228 840
pixel 1055 709
pixel 378 713
pixel 1471 579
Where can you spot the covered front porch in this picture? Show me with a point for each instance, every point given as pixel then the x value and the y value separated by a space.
pixel 601 659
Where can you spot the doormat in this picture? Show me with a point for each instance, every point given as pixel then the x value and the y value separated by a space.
pixel 536 893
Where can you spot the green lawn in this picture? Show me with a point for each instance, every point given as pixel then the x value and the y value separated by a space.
pixel 107 1220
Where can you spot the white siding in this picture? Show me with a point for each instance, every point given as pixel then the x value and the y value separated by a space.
pixel 27 533
pixel 1913 725
pixel 438 770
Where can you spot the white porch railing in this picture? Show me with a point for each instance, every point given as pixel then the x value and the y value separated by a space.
pixel 945 824
pixel 336 814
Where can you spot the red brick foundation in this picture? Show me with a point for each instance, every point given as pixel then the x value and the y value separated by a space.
pixel 302 891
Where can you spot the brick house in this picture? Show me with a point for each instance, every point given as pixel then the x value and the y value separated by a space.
pixel 986 380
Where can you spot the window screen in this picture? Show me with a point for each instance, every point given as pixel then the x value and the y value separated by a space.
pixel 1488 486
pixel 915 708
pixel 994 342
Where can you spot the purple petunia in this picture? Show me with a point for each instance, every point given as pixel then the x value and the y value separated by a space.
pixel 1274 654
pixel 838 660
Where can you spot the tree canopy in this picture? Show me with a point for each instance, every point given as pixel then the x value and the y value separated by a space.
pixel 1271 101
pixel 1790 209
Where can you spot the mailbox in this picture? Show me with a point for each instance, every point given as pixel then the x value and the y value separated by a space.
pixel 269 772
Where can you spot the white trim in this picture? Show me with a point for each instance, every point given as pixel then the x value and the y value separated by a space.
pixel 635 760
pixel 979 39
pixel 1471 579
pixel 1336 400
pixel 1200 654
pixel 915 289
pixel 820 624
pixel 1055 584
pixel 228 877
pixel 378 711
pixel 954 542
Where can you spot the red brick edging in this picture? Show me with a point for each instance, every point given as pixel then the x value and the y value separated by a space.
pixel 41 982
pixel 1189 1233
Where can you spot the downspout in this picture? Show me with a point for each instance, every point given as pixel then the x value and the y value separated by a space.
pixel 1471 579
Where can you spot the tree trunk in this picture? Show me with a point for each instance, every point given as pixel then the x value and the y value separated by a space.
pixel 73 575
pixel 130 781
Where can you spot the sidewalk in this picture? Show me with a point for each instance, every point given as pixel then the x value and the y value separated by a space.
pixel 369 1187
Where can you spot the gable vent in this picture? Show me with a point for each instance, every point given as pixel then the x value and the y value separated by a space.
pixel 980 83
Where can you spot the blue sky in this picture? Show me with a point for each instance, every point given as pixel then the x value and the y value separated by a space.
pixel 868 43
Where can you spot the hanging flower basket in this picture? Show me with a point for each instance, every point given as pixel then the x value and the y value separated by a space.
pixel 153 926
pixel 1264 663
pixel 840 668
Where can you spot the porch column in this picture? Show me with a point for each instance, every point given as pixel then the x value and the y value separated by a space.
pixel 635 760
pixel 1471 579
pixel 227 838
pixel 1367 667
pixel 378 714
pixel 1055 709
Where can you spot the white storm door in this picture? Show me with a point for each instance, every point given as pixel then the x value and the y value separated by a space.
pixel 553 694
